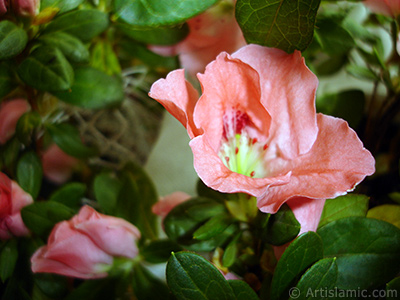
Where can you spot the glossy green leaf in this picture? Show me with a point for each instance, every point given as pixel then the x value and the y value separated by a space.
pixel 366 251
pixel 282 227
pixel 190 276
pixel 287 25
pixel 242 290
pixel 30 173
pixel 159 251
pixel 67 137
pixel 136 198
pixel 93 89
pixel 8 259
pixel 47 69
pixel 214 226
pixel 13 39
pixel 40 217
pixel 63 5
pixel 387 212
pixel 320 277
pixel 85 24
pixel 393 289
pixel 106 188
pixel 297 258
pixel 146 286
pixel 155 13
pixel 7 81
pixel 26 126
pixel 70 194
pixel 73 49
pixel 155 35
pixel 351 205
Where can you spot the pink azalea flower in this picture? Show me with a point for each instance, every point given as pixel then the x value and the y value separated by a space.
pixel 12 200
pixel 389 8
pixel 211 32
pixel 26 8
pixel 255 130
pixel 84 246
pixel 10 112
pixel 167 203
pixel 3 6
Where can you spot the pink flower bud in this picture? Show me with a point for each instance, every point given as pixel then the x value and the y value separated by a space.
pixel 3 6
pixel 389 8
pixel 26 8
pixel 84 247
pixel 12 200
pixel 10 112
pixel 167 203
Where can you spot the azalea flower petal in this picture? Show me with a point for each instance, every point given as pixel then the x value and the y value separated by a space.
pixel 288 90
pixel 178 97
pixel 335 165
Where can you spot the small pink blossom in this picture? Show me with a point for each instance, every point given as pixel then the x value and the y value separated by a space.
pixel 57 165
pixel 12 200
pixel 255 130
pixel 10 112
pixel 84 246
pixel 389 8
pixel 26 8
pixel 211 32
pixel 167 203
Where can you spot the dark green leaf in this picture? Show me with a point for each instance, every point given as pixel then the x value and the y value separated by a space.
pixel 136 198
pixel 287 25
pixel 159 251
pixel 30 173
pixel 366 250
pixel 146 286
pixel 26 126
pixel 351 205
pixel 40 217
pixel 63 5
pixel 242 290
pixel 100 289
pixel 8 259
pixel 70 194
pixel 321 276
pixel 67 137
pixel 330 65
pixel 388 212
pixel 282 227
pixel 393 289
pixel 106 188
pixel 10 152
pixel 155 35
pixel 7 81
pixel 70 46
pixel 13 39
pixel 85 24
pixel 93 89
pixel 157 12
pixel 214 226
pixel 190 276
pixel 205 191
pixel 231 251
pixel 52 285
pixel 300 255
pixel 47 69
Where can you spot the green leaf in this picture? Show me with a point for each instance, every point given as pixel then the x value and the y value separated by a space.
pixel 214 226
pixel 136 198
pixel 106 188
pixel 47 69
pixel 30 173
pixel 351 205
pixel 147 286
pixel 298 257
pixel 366 250
pixel 85 24
pixel 104 58
pixel 287 25
pixel 100 289
pixel 155 13
pixel 40 217
pixel 393 289
pixel 63 5
pixel 320 277
pixel 242 290
pixel 70 194
pixel 26 126
pixel 73 49
pixel 361 72
pixel 67 137
pixel 190 276
pixel 7 81
pixel 10 152
pixel 282 227
pixel 155 35
pixel 388 212
pixel 231 251
pixel 8 259
pixel 52 285
pixel 159 251
pixel 13 39
pixel 93 89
